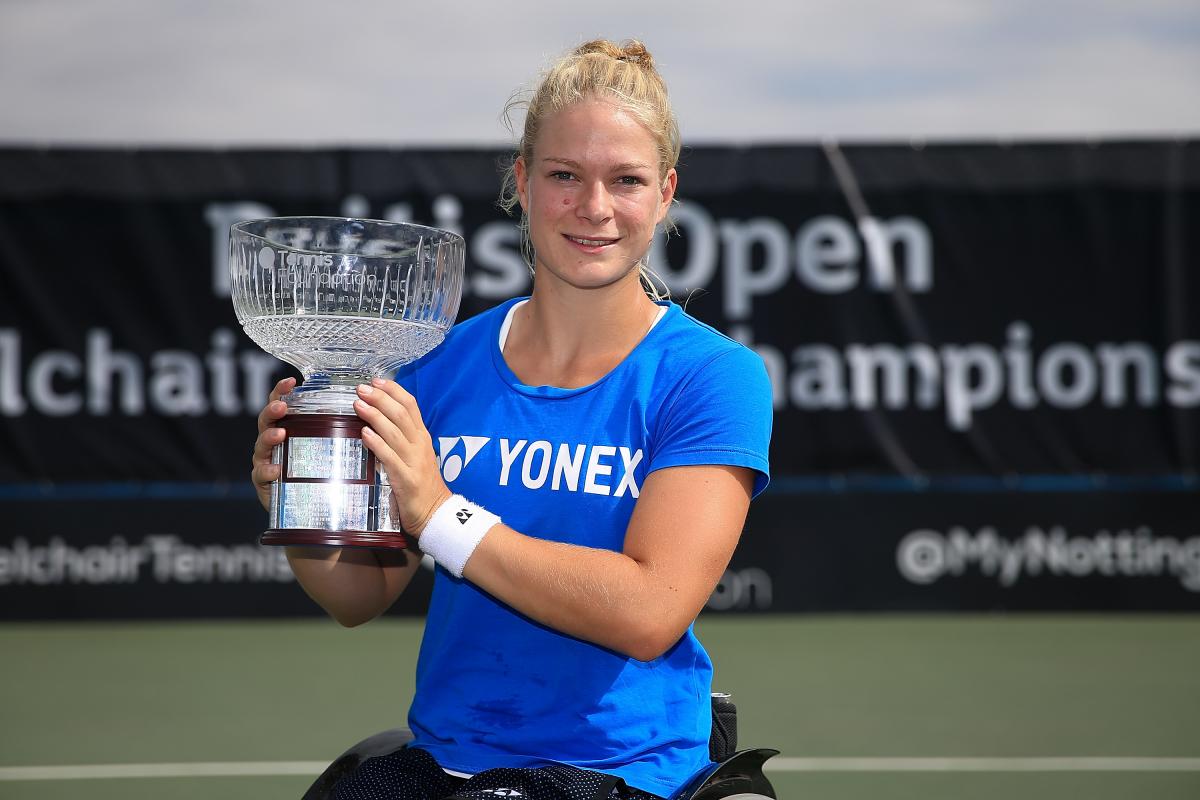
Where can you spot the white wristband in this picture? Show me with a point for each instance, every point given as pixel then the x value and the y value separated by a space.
pixel 454 531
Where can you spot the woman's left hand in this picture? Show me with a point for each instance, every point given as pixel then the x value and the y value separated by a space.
pixel 397 436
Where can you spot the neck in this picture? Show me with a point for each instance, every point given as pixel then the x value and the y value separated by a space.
pixel 569 337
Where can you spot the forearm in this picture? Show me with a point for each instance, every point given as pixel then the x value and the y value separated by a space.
pixel 353 585
pixel 599 596
pixel 680 538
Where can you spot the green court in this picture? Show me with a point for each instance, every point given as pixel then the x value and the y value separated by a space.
pixel 860 706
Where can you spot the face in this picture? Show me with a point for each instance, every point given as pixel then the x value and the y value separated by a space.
pixel 592 195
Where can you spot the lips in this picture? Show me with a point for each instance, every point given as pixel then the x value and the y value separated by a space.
pixel 585 242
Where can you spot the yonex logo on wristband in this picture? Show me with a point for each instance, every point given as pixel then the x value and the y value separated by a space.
pixel 451 546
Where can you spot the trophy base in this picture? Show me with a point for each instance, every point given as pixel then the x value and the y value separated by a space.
pixel 310 537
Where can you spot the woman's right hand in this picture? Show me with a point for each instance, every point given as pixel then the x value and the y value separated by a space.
pixel 262 471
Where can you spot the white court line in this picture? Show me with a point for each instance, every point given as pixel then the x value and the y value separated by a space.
pixel 1013 764
pixel 234 769
pixel 200 769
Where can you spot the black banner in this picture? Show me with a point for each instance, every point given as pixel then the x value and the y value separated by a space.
pixel 935 320
pixel 93 553
pixel 941 551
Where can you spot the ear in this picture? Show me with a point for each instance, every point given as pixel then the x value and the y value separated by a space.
pixel 522 177
pixel 668 194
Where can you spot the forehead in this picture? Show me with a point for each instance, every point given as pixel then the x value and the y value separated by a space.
pixel 595 132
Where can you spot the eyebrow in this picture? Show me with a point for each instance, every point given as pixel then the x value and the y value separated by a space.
pixel 628 165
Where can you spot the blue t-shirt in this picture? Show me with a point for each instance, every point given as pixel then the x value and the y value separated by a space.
pixel 496 689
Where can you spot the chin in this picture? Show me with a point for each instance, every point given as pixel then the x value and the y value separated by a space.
pixel 593 278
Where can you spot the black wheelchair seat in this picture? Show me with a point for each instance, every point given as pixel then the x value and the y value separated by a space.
pixel 735 775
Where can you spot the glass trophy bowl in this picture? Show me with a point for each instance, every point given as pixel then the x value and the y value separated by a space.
pixel 343 301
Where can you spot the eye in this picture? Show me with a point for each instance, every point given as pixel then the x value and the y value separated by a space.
pixel 630 180
pixel 561 175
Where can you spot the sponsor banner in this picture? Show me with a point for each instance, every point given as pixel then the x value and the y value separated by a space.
pixel 933 314
pixel 148 557
pixel 973 309
pixel 142 556
pixel 936 551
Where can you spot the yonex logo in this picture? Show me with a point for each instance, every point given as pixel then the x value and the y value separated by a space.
pixel 502 792
pixel 601 469
pixel 453 464
pixel 463 515
pixel 538 463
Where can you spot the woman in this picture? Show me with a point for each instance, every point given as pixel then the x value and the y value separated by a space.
pixel 598 452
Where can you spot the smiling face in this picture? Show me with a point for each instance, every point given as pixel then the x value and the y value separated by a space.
pixel 592 194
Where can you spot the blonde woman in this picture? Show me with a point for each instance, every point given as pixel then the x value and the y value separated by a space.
pixel 603 451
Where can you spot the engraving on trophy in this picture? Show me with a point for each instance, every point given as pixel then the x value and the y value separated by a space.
pixel 343 301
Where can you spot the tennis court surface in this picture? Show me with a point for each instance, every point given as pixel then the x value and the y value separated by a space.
pixel 960 706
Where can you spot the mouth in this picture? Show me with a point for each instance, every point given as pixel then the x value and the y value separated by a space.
pixel 590 245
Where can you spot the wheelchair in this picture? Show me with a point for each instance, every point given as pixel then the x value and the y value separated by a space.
pixel 734 775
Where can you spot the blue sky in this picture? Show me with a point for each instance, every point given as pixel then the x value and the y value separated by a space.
pixel 740 71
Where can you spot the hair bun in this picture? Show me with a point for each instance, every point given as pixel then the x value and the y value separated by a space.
pixel 632 51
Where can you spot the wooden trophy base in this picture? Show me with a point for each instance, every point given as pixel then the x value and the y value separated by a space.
pixel 306 537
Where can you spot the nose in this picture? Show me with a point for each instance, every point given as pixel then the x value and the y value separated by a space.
pixel 595 205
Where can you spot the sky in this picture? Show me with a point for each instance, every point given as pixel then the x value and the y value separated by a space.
pixel 370 72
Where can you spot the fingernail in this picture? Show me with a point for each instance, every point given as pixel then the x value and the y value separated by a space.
pixel 367 430
pixel 380 382
pixel 364 389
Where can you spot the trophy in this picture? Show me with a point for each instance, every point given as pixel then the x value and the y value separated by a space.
pixel 343 301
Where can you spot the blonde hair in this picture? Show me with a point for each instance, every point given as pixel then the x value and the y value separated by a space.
pixel 599 68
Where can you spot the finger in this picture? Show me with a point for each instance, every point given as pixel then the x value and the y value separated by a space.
pixel 271 413
pixel 262 470
pixel 397 414
pixel 283 387
pixel 265 474
pixel 275 408
pixel 265 444
pixel 401 396
pixel 385 429
pixel 397 469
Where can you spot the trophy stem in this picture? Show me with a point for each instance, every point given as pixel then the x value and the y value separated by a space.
pixel 318 397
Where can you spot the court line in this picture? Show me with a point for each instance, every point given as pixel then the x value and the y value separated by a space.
pixel 201 769
pixel 234 769
pixel 999 764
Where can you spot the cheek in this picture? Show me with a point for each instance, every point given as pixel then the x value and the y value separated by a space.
pixel 543 215
pixel 643 214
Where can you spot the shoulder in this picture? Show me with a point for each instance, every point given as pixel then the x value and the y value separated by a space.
pixel 689 347
pixel 717 408
pixel 699 370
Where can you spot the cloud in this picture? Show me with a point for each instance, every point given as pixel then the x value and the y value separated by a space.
pixel 370 71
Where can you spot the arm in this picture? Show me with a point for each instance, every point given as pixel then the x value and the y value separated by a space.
pixel 639 602
pixel 353 585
